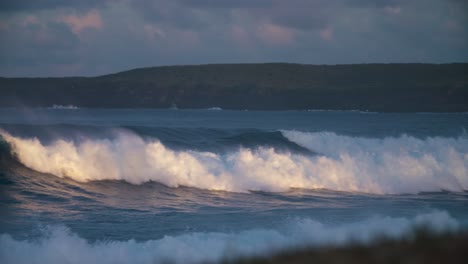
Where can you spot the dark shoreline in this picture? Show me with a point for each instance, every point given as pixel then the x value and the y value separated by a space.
pixel 271 86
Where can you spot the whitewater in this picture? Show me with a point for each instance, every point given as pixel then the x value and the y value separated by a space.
pixel 188 186
pixel 390 165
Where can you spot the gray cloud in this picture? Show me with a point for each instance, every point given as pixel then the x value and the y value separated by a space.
pixel 227 3
pixel 170 12
pixel 95 37
pixel 35 48
pixel 28 5
pixel 303 15
pixel 373 3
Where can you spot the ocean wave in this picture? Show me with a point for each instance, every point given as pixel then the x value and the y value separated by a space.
pixel 59 245
pixel 66 107
pixel 382 166
pixel 344 111
pixel 214 108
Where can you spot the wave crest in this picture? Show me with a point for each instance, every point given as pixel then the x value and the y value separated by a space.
pixel 383 166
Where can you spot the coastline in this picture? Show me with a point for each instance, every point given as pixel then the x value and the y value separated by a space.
pixel 408 87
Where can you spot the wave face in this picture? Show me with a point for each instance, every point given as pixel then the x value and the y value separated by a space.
pixel 392 165
pixel 59 245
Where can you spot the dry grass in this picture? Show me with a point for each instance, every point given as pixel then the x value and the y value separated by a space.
pixel 421 248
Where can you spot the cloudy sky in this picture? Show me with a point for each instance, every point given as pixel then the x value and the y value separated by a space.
pixel 92 37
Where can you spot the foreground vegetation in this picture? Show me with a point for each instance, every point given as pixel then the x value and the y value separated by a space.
pixel 423 248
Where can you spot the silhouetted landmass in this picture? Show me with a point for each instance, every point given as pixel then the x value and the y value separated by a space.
pixel 271 86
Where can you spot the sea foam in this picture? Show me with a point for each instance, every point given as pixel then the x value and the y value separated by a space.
pixel 59 245
pixel 382 166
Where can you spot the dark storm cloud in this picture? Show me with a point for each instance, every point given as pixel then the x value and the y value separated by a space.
pixel 59 37
pixel 29 5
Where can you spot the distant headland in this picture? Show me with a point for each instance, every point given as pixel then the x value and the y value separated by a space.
pixel 411 87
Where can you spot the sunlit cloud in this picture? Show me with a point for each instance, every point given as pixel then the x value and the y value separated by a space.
pixel 327 33
pixel 78 23
pixel 276 35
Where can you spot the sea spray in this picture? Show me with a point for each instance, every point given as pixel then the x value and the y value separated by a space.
pixel 382 166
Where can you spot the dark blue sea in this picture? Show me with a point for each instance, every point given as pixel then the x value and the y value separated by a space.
pixel 189 186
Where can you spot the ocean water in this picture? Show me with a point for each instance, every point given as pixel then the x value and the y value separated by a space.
pixel 188 186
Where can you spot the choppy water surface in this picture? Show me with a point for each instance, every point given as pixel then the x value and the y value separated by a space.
pixel 145 186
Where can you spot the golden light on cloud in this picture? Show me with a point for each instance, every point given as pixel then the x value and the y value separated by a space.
pixel 90 20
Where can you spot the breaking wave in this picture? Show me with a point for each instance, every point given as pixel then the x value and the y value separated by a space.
pixel 67 107
pixel 215 108
pixel 382 166
pixel 59 245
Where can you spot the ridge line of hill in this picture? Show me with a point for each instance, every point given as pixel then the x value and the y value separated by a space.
pixel 395 87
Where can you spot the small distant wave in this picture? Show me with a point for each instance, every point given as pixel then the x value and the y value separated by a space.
pixel 343 111
pixel 66 107
pixel 215 108
pixel 381 166
pixel 59 245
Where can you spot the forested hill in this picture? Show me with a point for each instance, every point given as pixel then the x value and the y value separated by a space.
pixel 271 86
